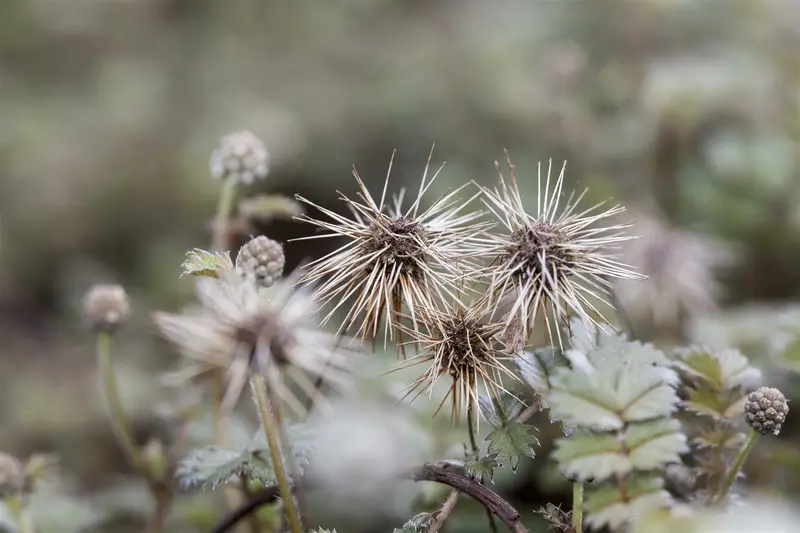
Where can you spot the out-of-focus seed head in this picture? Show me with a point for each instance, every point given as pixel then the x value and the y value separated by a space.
pixel 766 410
pixel 240 156
pixel 12 476
pixel 106 307
pixel 261 259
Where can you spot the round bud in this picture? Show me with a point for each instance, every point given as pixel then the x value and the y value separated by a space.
pixel 261 259
pixel 240 156
pixel 106 307
pixel 766 410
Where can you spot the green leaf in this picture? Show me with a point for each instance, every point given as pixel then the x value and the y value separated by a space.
pixel 512 443
pixel 202 263
pixel 482 470
pixel 724 405
pixel 719 371
pixel 211 466
pixel 418 524
pixel 270 206
pixel 558 519
pixel 790 356
pixel 536 368
pixel 643 446
pixel 509 409
pixel 615 505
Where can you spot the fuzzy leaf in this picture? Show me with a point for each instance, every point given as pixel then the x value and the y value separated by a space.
pixel 211 466
pixel 720 371
pixel 509 409
pixel 270 206
pixel 643 446
pixel 558 519
pixel 512 443
pixel 536 368
pixel 723 405
pixel 612 506
pixel 418 524
pixel 482 470
pixel 202 263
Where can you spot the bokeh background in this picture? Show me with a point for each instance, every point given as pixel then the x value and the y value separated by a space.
pixel 686 111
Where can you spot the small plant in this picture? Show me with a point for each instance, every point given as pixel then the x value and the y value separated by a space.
pixel 646 431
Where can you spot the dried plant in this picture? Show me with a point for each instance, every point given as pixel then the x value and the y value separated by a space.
pixel 554 257
pixel 394 256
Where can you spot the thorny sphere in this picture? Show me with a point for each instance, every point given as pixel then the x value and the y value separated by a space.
pixel 766 410
pixel 240 156
pixel 12 476
pixel 530 243
pixel 106 307
pixel 465 343
pixel 262 259
pixel 401 236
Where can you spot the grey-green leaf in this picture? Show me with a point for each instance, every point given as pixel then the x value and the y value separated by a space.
pixel 482 470
pixel 612 506
pixel 199 262
pixel 512 443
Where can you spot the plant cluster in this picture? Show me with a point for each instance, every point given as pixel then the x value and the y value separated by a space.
pixel 646 430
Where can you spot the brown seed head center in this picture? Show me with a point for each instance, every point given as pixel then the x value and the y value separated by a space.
pixel 465 344
pixel 400 241
pixel 539 245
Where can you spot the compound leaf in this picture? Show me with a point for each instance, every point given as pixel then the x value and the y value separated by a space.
pixel 615 505
pixel 512 443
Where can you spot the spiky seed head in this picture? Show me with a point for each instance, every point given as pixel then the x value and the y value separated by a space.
pixel 394 256
pixel 238 331
pixel 106 307
pixel 12 476
pixel 766 410
pixel 262 259
pixel 459 345
pixel 240 156
pixel 556 258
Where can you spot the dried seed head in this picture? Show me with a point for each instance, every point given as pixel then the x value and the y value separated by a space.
pixel 766 410
pixel 239 331
pixel 554 258
pixel 106 307
pixel 12 476
pixel 394 257
pixel 262 259
pixel 240 156
pixel 458 344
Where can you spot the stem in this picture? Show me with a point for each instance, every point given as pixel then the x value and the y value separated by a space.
pixel 427 472
pixel 286 445
pixel 116 412
pixel 444 512
pixel 473 443
pixel 19 511
pixel 737 466
pixel 224 210
pixel 254 522
pixel 577 506
pixel 275 452
pixel 216 407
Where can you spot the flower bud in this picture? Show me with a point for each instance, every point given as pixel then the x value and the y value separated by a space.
pixel 106 307
pixel 766 410
pixel 262 259
pixel 240 156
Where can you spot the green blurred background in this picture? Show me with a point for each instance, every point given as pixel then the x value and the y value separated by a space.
pixel 109 110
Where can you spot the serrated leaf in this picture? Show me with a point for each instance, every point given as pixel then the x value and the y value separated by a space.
pixel 512 443
pixel 270 206
pixel 613 506
pixel 199 262
pixel 720 371
pixel 499 412
pixel 643 446
pixel 558 519
pixel 536 368
pixel 724 405
pixel 418 524
pixel 212 466
pixel 482 470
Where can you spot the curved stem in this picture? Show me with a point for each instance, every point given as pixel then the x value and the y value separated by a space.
pixel 437 474
pixel 275 453
pixel 737 466
pixel 447 508
pixel 577 506
pixel 119 423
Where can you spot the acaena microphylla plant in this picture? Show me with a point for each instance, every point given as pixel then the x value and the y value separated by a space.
pixel 556 256
pixel 395 256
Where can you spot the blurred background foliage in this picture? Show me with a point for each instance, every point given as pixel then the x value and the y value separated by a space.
pixel 109 110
